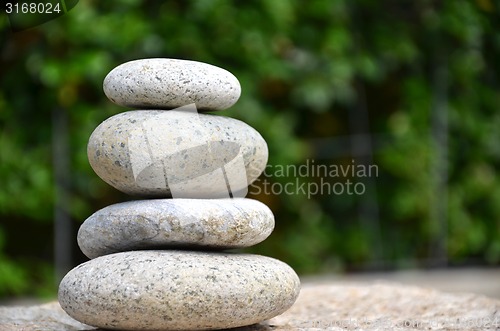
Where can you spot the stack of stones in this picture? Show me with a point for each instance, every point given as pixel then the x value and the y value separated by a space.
pixel 160 263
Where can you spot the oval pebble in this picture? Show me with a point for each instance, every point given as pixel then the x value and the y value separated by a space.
pixel 171 83
pixel 177 154
pixel 178 290
pixel 166 223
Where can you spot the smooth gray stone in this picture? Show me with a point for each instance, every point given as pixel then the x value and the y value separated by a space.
pixel 177 153
pixel 166 223
pixel 178 290
pixel 171 83
pixel 329 303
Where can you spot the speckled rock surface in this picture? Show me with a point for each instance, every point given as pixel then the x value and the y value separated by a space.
pixel 169 290
pixel 177 153
pixel 382 306
pixel 46 317
pixel 171 83
pixel 164 223
pixel 325 306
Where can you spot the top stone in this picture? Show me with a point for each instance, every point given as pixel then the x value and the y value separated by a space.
pixel 171 83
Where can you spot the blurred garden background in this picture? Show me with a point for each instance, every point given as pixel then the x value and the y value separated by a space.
pixel 411 87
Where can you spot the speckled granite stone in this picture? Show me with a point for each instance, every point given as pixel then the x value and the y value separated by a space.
pixel 170 83
pixel 180 153
pixel 178 290
pixel 167 223
pixel 328 305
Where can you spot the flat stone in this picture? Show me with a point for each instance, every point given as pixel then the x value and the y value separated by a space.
pixel 171 83
pixel 384 306
pixel 167 223
pixel 45 317
pixel 178 153
pixel 178 290
pixel 326 306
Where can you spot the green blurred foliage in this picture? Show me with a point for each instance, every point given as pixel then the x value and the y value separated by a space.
pixel 305 67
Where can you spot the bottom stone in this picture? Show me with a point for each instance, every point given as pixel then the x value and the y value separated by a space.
pixel 178 290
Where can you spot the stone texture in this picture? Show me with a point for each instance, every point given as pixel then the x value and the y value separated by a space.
pixel 171 83
pixel 46 317
pixel 179 153
pixel 382 306
pixel 178 290
pixel 167 223
pixel 320 307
